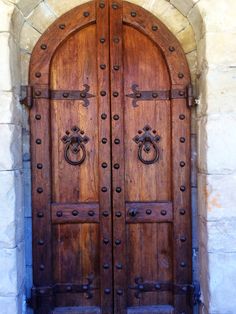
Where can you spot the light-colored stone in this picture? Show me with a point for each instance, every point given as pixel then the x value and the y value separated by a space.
pixel 186 39
pixel 13 271
pixel 62 6
pixel 29 37
pixel 5 80
pixel 11 155
pixel 10 109
pixel 17 22
pixel 195 19
pixel 6 10
pixel 222 278
pixel 10 305
pixel 27 6
pixel 184 6
pixel 25 60
pixel 41 17
pixel 216 197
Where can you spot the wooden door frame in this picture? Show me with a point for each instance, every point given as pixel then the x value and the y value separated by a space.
pixel 179 74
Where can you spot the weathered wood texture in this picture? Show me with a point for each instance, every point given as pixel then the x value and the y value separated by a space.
pixel 110 180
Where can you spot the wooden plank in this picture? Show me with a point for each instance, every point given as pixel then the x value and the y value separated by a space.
pixel 117 117
pixel 149 212
pixel 104 152
pixel 75 213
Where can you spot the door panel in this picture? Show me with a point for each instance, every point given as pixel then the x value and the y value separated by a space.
pixel 110 164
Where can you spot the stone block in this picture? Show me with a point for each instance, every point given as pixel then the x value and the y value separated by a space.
pixel 187 39
pixel 41 17
pixel 6 10
pixel 10 108
pixel 17 22
pixel 12 271
pixel 27 6
pixel 10 305
pixel 192 61
pixel 28 241
pixel 194 196
pixel 60 7
pixel 5 80
pixel 216 197
pixel 184 6
pixel 25 60
pixel 222 278
pixel 29 37
pixel 196 20
pixel 11 155
pixel 193 160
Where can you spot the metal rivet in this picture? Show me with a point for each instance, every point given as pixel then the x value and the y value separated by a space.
pixel 38 74
pixel 157 286
pixel 38 141
pixel 118 189
pixel 75 213
pixel 103 116
pixel 102 40
pixel 40 214
pixel 182 139
pixel 104 165
pixel 62 26
pixel 180 75
pixel 41 267
pixel 116 67
pixel 138 95
pixel 43 46
pixel 85 287
pixel 163 212
pixel 117 242
pixel 154 28
pixel 37 93
pixel 42 291
pixel 116 166
pixel 182 188
pixel 119 266
pixel 103 93
pixel 39 190
pixel 40 242
pixel 86 14
pixel 105 213
pixel 183 238
pixel 116 40
pixel 102 66
pixel 59 213
pixel 119 291
pixel 133 14
pixel 102 5
pixel 117 141
pixel 140 131
pixel 183 264
pixel 107 291
pixel 68 288
pixel 148 211
pixel 115 94
pixel 182 164
pixel 105 240
pixel 116 117
pixel 39 166
pixel 118 214
pixel 91 213
pixel 83 95
pixel 181 116
pixel 181 93
pixel 115 6
pixel 104 140
pixel 104 189
pixel 65 95
pixel 171 48
pixel 184 289
pixel 105 266
pixel 182 211
pixel 154 95
pixel 38 117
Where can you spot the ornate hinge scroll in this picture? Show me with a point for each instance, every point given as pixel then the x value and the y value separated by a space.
pixel 29 93
pixel 147 142
pixel 75 142
pixel 148 95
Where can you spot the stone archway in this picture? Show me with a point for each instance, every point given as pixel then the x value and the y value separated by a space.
pixel 199 30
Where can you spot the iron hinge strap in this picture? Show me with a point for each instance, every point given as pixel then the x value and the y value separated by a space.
pixel 26 96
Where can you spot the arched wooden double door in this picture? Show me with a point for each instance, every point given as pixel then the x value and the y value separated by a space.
pixel 110 140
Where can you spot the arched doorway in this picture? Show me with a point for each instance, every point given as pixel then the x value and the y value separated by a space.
pixel 110 139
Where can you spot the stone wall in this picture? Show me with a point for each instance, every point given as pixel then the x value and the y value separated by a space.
pixel 206 30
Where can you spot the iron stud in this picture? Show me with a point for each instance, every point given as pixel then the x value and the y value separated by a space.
pixel 91 213
pixel 38 74
pixel 59 213
pixel 182 211
pixel 62 26
pixel 41 267
pixel 116 166
pixel 104 165
pixel 40 166
pixel 182 188
pixel 38 117
pixel 103 116
pixel 163 212
pixel 115 94
pixel 105 240
pixel 182 164
pixel 107 291
pixel 103 93
pixel 75 212
pixel 104 189
pixel 183 264
pixel 119 266
pixel 116 67
pixel 38 141
pixel 118 214
pixel 106 266
pixel 154 28
pixel 102 5
pixel 39 190
pixel 37 93
pixel 183 238
pixel 133 14
pixel 117 242
pixel 40 215
pixel 148 211
pixel 86 14
pixel 104 140
pixel 102 66
pixel 171 48
pixel 118 189
pixel 180 75
pixel 117 141
pixel 43 46
pixel 116 117
pixel 105 213
pixel 119 291
pixel 182 139
pixel 181 116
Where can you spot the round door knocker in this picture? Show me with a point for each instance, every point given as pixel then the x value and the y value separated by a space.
pixel 147 142
pixel 75 142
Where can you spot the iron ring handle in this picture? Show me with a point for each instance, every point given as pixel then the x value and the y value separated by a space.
pixel 152 161
pixel 71 162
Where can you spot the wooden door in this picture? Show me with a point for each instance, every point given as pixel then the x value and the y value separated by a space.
pixel 110 141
